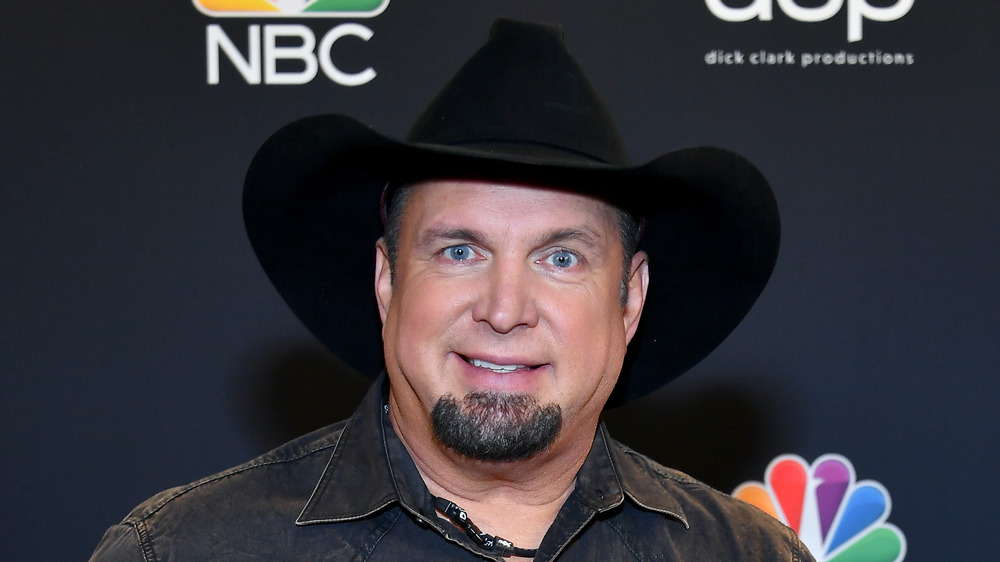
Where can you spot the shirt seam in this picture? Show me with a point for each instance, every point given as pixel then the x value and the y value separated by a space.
pixel 145 543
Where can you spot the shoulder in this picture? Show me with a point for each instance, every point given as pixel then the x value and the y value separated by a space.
pixel 232 503
pixel 296 464
pixel 711 517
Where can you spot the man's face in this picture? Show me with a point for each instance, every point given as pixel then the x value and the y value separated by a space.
pixel 507 294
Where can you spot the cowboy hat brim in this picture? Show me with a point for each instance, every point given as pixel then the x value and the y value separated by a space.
pixel 312 201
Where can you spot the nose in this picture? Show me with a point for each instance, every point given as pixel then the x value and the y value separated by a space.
pixel 507 299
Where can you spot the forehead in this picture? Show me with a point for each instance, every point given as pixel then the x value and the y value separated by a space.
pixel 504 204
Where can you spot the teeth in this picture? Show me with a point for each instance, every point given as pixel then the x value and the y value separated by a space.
pixel 494 367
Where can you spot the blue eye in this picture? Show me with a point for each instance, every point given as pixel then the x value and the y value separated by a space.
pixel 458 253
pixel 562 259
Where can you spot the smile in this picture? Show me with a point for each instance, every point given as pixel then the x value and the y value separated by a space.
pixel 501 369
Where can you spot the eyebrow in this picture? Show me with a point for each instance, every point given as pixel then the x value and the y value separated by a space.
pixel 434 236
pixel 584 235
pixel 430 238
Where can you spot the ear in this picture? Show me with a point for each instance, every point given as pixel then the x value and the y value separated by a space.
pixel 638 284
pixel 383 278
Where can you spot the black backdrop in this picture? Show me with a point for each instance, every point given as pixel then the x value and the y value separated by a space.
pixel 141 346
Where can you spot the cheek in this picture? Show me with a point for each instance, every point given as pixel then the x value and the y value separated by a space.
pixel 593 338
pixel 416 336
pixel 590 313
pixel 423 315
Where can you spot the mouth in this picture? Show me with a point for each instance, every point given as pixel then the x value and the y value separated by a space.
pixel 496 367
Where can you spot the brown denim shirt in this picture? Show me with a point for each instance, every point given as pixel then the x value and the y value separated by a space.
pixel 351 492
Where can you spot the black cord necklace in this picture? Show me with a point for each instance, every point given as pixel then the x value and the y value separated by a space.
pixel 489 543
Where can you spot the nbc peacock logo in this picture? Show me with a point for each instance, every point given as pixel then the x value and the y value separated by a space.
pixel 291 8
pixel 838 518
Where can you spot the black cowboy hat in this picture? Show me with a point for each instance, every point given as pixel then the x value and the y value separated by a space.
pixel 519 110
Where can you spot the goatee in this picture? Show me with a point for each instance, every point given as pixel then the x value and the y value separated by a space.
pixel 496 426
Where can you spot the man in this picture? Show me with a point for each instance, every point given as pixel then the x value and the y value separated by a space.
pixel 509 285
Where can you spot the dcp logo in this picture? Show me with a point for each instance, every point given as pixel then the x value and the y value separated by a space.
pixel 857 11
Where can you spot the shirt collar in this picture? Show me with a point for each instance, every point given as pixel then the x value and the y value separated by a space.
pixel 644 482
pixel 611 473
pixel 344 493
